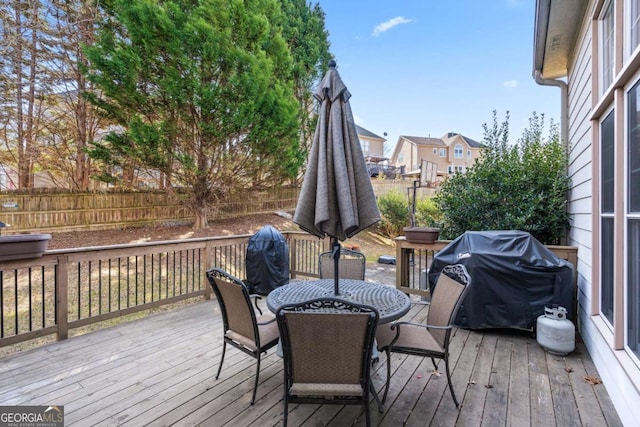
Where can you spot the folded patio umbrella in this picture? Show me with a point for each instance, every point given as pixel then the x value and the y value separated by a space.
pixel 336 198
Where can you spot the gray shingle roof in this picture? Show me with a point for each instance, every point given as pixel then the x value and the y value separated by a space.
pixel 422 140
pixel 364 132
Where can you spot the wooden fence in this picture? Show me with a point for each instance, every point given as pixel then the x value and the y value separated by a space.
pixel 44 212
pixel 47 212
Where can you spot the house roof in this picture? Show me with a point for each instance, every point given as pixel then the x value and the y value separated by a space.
pixel 471 142
pixel 364 132
pixel 422 140
pixel 555 31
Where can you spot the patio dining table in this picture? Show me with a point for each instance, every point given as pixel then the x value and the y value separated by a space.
pixel 391 303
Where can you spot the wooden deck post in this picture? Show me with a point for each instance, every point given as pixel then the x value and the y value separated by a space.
pixel 62 300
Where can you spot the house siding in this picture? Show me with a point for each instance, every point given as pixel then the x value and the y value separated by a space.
pixel 618 371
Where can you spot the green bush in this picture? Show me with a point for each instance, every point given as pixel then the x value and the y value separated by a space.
pixel 394 213
pixel 512 187
pixel 427 213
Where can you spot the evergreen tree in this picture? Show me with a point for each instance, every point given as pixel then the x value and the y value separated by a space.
pixel 201 90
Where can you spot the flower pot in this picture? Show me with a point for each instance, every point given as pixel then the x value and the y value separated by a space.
pixel 23 246
pixel 421 234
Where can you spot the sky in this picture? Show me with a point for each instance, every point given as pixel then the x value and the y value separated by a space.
pixel 428 67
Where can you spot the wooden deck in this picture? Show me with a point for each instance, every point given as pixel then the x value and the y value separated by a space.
pixel 160 371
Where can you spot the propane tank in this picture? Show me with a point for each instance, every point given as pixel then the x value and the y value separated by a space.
pixel 555 332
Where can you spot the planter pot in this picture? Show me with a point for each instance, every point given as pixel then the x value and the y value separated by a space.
pixel 421 234
pixel 23 246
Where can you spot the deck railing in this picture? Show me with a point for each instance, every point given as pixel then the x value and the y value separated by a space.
pixel 72 288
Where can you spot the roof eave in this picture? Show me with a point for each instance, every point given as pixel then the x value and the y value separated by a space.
pixel 555 30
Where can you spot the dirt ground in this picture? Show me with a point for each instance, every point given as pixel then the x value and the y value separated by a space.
pixel 372 244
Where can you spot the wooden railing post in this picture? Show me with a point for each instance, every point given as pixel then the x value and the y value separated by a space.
pixel 208 262
pixel 62 297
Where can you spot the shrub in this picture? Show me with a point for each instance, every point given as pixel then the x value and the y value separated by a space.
pixel 427 213
pixel 394 213
pixel 512 187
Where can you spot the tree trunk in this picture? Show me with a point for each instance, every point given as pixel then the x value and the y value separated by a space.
pixel 201 220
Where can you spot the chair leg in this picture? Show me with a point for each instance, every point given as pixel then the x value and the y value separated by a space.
pixel 255 386
pixel 453 394
pixel 367 414
pixel 285 400
pixel 224 348
pixel 386 386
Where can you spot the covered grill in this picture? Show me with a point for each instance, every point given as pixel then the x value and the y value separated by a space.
pixel 267 261
pixel 514 277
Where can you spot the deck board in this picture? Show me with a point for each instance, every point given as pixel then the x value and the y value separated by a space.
pixel 160 371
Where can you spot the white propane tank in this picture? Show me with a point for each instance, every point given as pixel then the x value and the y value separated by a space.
pixel 555 332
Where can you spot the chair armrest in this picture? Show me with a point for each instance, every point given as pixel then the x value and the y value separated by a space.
pixel 397 327
pixel 267 322
pixel 255 298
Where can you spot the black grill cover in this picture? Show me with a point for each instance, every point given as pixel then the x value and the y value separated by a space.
pixel 267 261
pixel 513 277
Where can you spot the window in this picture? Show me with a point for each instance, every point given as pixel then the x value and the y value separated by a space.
pixel 443 152
pixel 450 170
pixel 634 24
pixel 607 192
pixel 365 146
pixel 468 154
pixel 459 169
pixel 457 151
pixel 607 48
pixel 633 221
pixel 435 151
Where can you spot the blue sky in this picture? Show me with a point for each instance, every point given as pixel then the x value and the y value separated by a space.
pixel 428 67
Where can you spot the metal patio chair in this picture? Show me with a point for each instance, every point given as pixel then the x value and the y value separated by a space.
pixel 351 265
pixel 244 330
pixel 430 339
pixel 327 345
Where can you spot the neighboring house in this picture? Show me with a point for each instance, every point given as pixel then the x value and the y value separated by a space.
pixel 373 152
pixel 372 144
pixel 591 50
pixel 451 153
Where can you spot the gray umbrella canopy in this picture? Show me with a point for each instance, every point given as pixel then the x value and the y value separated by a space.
pixel 336 198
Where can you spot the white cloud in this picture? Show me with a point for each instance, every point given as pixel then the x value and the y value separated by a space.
pixel 510 84
pixel 386 26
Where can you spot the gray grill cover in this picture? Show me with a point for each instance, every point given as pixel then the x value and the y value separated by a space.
pixel 267 261
pixel 513 277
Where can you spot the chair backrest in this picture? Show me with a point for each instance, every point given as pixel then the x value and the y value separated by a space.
pixel 232 294
pixel 448 294
pixel 351 265
pixel 329 342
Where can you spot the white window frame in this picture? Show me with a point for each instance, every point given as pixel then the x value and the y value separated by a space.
pixel 602 215
pixel 443 152
pixel 632 25
pixel 435 150
pixel 626 217
pixel 458 151
pixel 468 154
pixel 607 45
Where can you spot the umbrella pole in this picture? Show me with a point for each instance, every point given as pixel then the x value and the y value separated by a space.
pixel 335 253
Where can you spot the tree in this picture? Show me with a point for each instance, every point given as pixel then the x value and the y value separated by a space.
pixel 24 83
pixel 303 28
pixel 201 91
pixel 521 186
